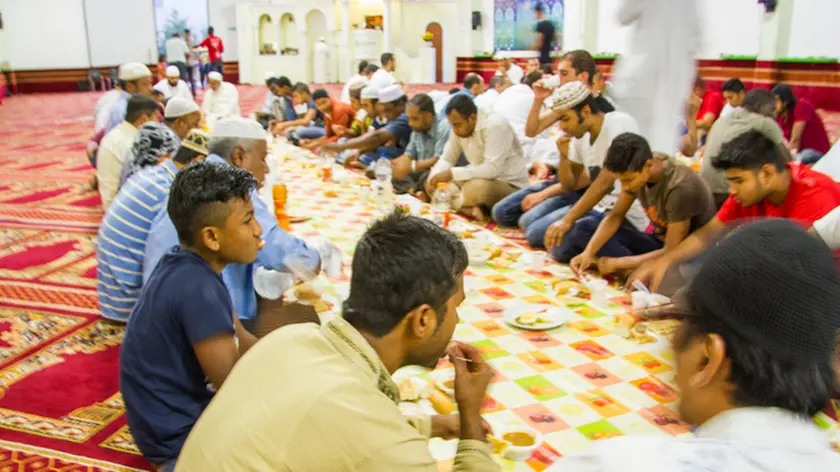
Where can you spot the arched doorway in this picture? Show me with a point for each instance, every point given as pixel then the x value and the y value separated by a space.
pixel 316 28
pixel 437 43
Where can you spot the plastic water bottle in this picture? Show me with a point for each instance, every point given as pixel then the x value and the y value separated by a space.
pixel 384 187
pixel 441 206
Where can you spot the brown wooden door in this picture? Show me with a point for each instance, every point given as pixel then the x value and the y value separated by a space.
pixel 436 30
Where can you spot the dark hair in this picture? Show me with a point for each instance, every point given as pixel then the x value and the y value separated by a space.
pixel 581 61
pixel 532 77
pixel 363 67
pixel 785 94
pixel 371 68
pixel 272 81
pixel 454 90
pixel 496 80
pixel 186 155
pixel 628 153
pixel 186 30
pixel 386 58
pixel 423 102
pixel 471 79
pixel 462 104
pixel 160 59
pixel 158 93
pixel 210 30
pixel 757 99
pixel 539 8
pixel 319 94
pixel 176 34
pixel 199 194
pixel 760 378
pixel 139 105
pixel 590 102
pixel 301 87
pixel 284 81
pixel 733 85
pixel 546 69
pixel 699 83
pixel 751 150
pixel 401 263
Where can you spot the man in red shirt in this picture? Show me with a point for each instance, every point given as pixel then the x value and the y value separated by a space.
pixel 802 126
pixel 711 106
pixel 762 185
pixel 337 119
pixel 215 48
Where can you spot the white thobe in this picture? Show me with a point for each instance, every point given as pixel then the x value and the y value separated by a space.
pixel 514 104
pixel 179 90
pixel 654 76
pixel 487 100
pixel 221 103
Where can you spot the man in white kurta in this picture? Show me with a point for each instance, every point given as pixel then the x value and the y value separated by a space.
pixel 221 100
pixel 173 86
pixel 653 77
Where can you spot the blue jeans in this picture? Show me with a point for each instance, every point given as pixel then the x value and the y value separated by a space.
pixel 168 466
pixel 309 132
pixel 390 152
pixel 809 156
pixel 508 212
pixel 627 241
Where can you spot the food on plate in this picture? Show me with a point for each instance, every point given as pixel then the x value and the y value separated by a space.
pixel 450 384
pixel 467 235
pixel 519 438
pixel 441 402
pixel 330 193
pixel 663 327
pixel 530 318
pixel 496 445
pixel 306 292
pixel 496 252
pixel 408 390
pixel 570 287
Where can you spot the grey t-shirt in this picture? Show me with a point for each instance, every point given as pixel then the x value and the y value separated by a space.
pixel 736 123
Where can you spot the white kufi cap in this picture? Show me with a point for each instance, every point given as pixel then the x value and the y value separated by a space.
pixel 391 93
pixel 179 106
pixel 172 71
pixel 215 75
pixel 370 93
pixel 238 127
pixel 269 75
pixel 133 71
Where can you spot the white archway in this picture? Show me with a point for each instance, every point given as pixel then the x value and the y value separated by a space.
pixel 316 28
pixel 267 41
pixel 288 33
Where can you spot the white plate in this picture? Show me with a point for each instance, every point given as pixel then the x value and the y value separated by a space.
pixel 557 315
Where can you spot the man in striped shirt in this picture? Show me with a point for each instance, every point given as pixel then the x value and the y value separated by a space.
pixel 125 228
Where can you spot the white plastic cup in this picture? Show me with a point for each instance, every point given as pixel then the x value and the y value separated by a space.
pixel 640 300
pixel 537 261
pixel 598 291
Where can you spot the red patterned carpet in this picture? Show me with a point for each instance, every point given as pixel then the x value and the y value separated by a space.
pixel 60 407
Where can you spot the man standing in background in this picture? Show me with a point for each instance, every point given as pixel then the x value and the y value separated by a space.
pixel 176 54
pixel 191 61
pixel 215 48
pixel 545 35
pixel 653 77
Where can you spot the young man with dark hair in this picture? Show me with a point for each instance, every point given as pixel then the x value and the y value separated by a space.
pixel 334 386
pixel 763 184
pixel 183 339
pixel 802 125
pixel 733 91
pixel 357 80
pixel 674 197
pixel 486 100
pixel 710 106
pixel 125 228
pixel 753 362
pixel 429 135
pixel 278 103
pixel 337 119
pixel 580 65
pixel 756 113
pixel 546 34
pixel 473 86
pixel 115 146
pixel 370 70
pixel 384 76
pixel 310 121
pixel 496 165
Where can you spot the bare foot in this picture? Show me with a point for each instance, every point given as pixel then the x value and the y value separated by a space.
pixel 475 213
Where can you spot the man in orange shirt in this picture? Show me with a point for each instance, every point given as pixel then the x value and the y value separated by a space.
pixel 337 119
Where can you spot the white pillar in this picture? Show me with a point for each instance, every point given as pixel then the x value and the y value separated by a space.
pixel 386 25
pixel 346 59
pixel 775 32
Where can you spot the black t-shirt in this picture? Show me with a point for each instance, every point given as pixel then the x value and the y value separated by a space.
pixel 546 27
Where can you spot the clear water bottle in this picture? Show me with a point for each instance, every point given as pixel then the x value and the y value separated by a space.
pixel 384 187
pixel 441 206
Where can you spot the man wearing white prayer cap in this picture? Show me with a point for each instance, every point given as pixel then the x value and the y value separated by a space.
pixel 181 116
pixel 372 146
pixel 172 85
pixel 222 100
pixel 241 142
pixel 135 78
pixel 356 80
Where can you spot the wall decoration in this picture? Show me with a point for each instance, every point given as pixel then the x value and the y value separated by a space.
pixel 515 23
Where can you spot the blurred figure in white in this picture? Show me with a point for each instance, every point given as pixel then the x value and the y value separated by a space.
pixel 172 85
pixel 654 75
pixel 320 58
pixel 222 100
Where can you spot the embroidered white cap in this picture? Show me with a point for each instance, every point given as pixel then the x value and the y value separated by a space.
pixel 370 93
pixel 238 127
pixel 569 95
pixel 269 75
pixel 179 106
pixel 172 71
pixel 215 75
pixel 391 93
pixel 133 71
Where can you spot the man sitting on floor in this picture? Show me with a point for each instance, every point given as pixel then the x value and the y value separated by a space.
pixel 333 385
pixel 473 87
pixel 674 197
pixel 734 92
pixel 182 338
pixel 181 115
pixel 753 363
pixel 222 100
pixel 241 143
pixel 508 67
pixel 802 125
pixel 496 166
pixel 360 79
pixel 756 113
pixel 710 106
pixel 429 135
pixel 362 119
pixel 763 183
pixel 389 142
pixel 309 123
pixel 173 86
pixel 125 229
pixel 384 76
pixel 115 146
pixel 337 119
pixel 580 65
pixel 487 100
pixel 135 79
pixel 278 103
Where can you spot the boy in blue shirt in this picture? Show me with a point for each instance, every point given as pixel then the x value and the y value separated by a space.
pixel 182 338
